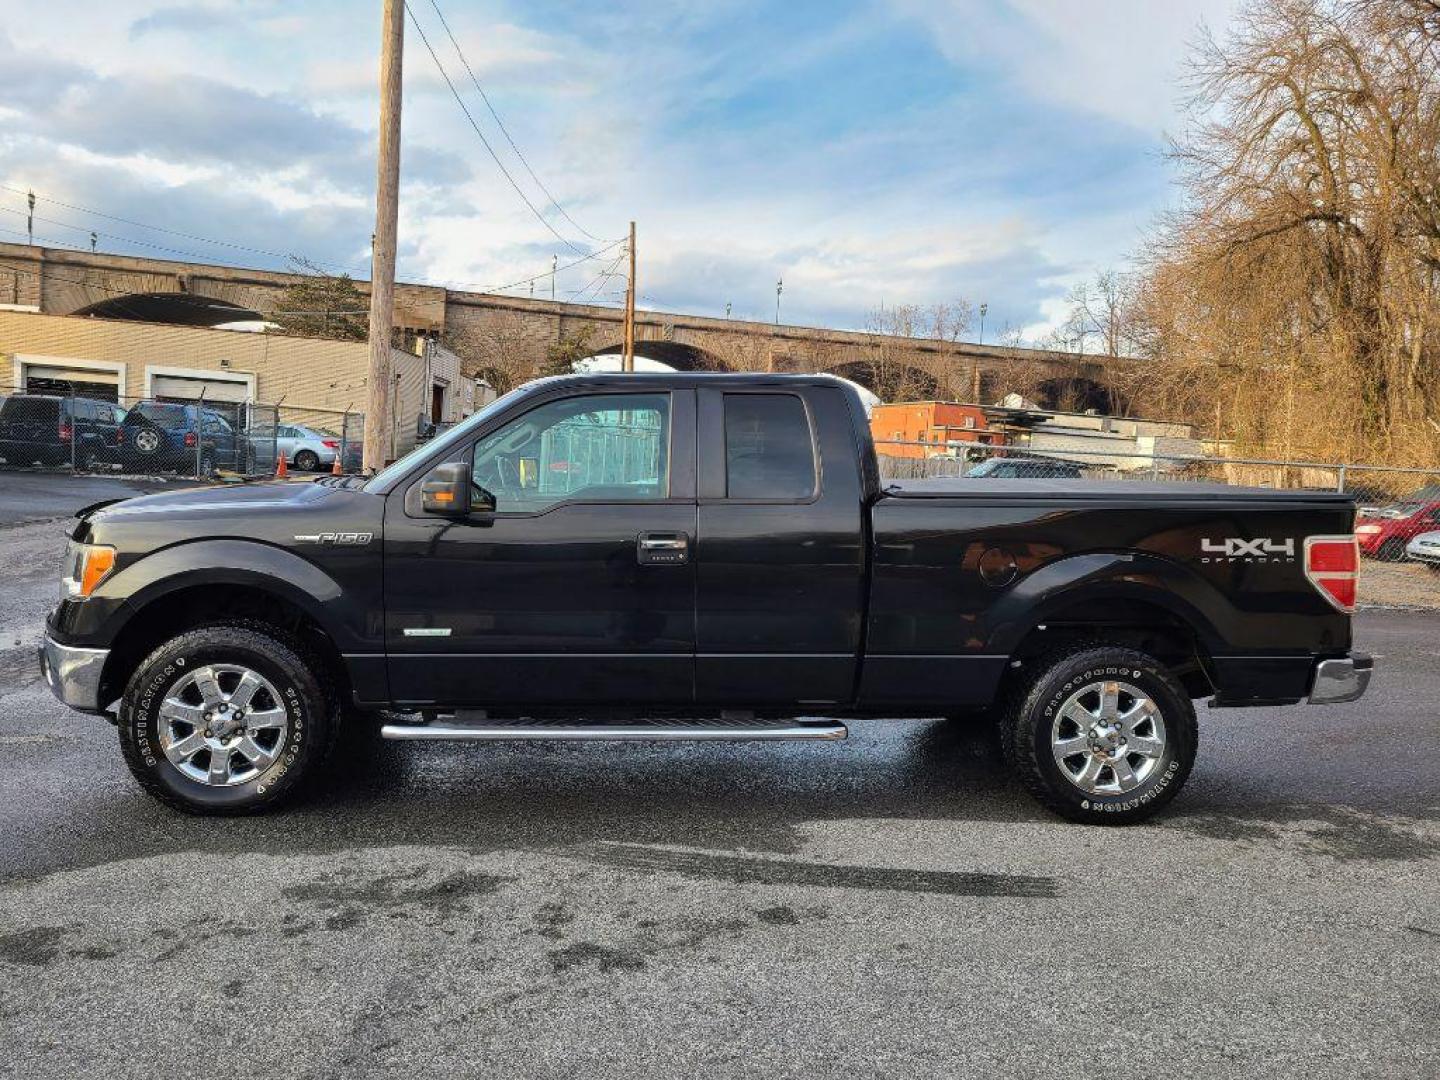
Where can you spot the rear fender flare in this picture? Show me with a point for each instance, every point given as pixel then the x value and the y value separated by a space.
pixel 1108 576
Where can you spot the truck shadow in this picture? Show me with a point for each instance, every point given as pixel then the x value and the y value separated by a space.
pixel 731 795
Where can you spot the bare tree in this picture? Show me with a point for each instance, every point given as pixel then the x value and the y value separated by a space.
pixel 1294 295
pixel 497 350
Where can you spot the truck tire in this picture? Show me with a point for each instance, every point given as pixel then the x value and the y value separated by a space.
pixel 1100 734
pixel 244 690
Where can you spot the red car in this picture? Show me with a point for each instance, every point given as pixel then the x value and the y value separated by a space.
pixel 1383 531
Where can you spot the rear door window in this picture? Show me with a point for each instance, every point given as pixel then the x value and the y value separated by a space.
pixel 769 449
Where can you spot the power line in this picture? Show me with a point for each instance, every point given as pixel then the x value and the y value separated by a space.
pixel 119 238
pixel 481 135
pixel 503 129
pixel 260 251
pixel 599 280
pixel 155 228
pixel 551 273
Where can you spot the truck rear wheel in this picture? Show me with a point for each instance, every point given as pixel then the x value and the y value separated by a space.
pixel 226 719
pixel 1100 734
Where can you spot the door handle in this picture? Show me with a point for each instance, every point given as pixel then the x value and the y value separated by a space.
pixel 662 548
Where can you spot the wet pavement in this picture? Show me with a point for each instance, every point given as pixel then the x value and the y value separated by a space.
pixel 891 905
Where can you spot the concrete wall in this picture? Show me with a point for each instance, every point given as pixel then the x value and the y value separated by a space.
pixel 482 325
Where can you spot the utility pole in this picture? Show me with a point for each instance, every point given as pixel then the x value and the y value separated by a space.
pixel 387 212
pixel 779 288
pixel 554 270
pixel 983 309
pixel 629 359
pixel 30 221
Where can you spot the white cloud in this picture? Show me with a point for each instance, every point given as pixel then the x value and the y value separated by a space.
pixel 1120 59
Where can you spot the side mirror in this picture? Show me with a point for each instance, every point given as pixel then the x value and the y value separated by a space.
pixel 446 491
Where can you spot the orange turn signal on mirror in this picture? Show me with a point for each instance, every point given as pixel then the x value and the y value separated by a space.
pixel 443 496
pixel 99 561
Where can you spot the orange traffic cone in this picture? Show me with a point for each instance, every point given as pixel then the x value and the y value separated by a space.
pixel 335 466
pixel 282 470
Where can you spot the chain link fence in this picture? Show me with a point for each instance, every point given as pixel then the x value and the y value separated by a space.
pixel 1398 525
pixel 88 430
pixel 57 429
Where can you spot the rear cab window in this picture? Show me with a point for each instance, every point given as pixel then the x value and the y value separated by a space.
pixel 769 448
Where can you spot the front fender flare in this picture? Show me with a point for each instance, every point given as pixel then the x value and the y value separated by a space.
pixel 221 562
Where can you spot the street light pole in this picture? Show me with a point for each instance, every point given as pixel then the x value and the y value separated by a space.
pixel 779 288
pixel 983 309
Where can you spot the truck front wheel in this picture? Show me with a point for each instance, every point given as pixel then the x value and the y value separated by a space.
pixel 1102 735
pixel 226 719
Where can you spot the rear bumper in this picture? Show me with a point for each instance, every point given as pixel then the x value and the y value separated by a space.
pixel 1343 679
pixel 73 674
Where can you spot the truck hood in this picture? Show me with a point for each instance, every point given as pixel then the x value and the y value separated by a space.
pixel 206 501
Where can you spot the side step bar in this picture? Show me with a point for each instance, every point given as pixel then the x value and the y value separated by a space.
pixel 662 731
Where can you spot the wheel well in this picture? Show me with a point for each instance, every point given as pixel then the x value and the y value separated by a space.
pixel 1132 623
pixel 199 605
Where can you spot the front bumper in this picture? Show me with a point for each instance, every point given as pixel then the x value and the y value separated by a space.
pixel 73 674
pixel 1342 679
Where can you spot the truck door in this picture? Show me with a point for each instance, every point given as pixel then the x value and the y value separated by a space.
pixel 578 587
pixel 780 555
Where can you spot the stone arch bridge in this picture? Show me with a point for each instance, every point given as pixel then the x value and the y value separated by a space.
pixel 477 325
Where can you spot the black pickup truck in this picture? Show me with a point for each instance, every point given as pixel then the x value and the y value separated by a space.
pixel 686 556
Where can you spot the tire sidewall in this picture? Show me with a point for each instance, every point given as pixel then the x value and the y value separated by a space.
pixel 307 461
pixel 1176 711
pixel 140 717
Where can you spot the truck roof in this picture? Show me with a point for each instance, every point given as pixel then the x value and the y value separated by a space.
pixel 1102 490
pixel 692 379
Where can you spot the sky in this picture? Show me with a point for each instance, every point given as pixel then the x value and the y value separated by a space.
pixel 867 152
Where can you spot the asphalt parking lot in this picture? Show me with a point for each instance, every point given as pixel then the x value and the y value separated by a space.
pixel 887 906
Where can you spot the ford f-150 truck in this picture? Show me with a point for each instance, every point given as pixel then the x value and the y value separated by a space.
pixel 694 556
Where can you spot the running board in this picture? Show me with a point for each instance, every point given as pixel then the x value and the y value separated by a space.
pixel 662 731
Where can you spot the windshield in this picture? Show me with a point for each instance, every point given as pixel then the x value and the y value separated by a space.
pixel 155 410
pixel 455 435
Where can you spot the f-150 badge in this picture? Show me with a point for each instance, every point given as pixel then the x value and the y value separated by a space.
pixel 335 538
pixel 1260 549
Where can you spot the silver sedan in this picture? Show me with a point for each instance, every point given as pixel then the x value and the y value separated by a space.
pixel 1425 548
pixel 306 448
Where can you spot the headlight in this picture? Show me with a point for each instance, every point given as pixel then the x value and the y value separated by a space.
pixel 86 565
pixel 1368 530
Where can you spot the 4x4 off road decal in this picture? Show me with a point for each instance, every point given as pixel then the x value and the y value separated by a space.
pixel 1262 549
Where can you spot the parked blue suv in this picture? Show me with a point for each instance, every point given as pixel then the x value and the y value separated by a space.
pixel 162 436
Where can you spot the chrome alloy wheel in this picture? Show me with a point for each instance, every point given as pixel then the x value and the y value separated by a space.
pixel 147 440
pixel 222 724
pixel 1108 738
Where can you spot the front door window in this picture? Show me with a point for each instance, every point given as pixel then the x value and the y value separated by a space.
pixel 595 448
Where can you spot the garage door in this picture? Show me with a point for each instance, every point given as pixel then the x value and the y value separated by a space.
pixel 187 388
pixel 83 382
